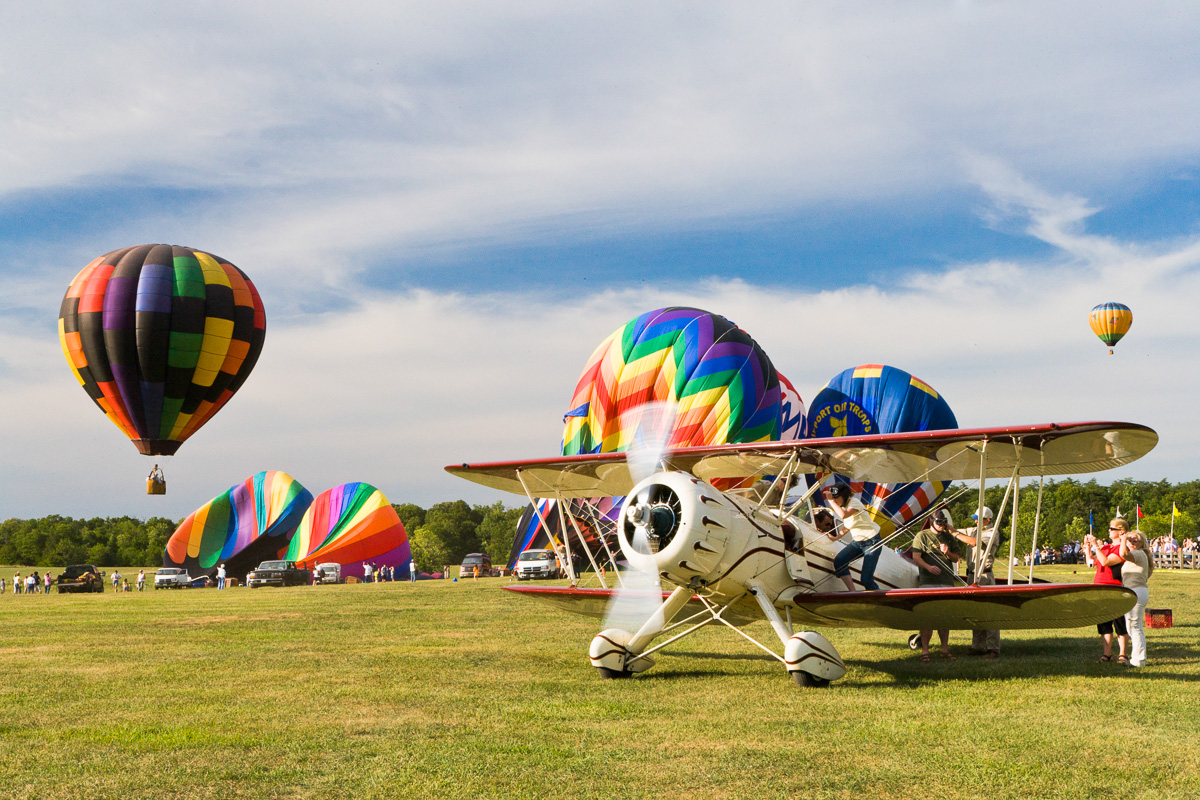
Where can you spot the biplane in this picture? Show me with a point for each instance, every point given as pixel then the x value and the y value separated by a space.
pixel 734 557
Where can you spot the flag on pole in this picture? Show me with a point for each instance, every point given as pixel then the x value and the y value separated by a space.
pixel 1174 511
pixel 1090 512
pixel 1137 510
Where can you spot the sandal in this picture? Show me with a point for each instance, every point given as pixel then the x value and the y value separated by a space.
pixel 1103 659
pixel 925 657
pixel 1123 660
pixel 949 656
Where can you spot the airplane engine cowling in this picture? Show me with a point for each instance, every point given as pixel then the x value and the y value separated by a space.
pixel 678 526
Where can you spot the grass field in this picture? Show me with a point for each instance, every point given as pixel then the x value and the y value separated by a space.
pixel 452 690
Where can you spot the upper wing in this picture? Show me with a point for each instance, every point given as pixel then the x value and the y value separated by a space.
pixel 1063 605
pixel 1065 449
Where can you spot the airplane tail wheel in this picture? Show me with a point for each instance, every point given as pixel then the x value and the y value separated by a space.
pixel 914 641
pixel 809 681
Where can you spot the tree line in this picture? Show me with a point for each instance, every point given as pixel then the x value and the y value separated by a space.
pixel 441 534
pixel 445 532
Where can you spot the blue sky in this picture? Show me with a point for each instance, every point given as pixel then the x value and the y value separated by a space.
pixel 447 207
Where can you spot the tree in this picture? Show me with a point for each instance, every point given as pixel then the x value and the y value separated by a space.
pixel 412 515
pixel 455 524
pixel 428 549
pixel 497 530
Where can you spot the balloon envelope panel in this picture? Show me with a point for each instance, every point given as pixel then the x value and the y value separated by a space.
pixel 251 522
pixel 351 525
pixel 873 399
pixel 161 337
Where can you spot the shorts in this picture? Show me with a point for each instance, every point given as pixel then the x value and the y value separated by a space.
pixel 1115 626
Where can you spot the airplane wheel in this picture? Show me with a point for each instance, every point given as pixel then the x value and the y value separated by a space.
pixel 809 681
pixel 612 674
pixel 914 641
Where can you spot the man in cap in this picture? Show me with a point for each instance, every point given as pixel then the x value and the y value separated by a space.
pixel 979 573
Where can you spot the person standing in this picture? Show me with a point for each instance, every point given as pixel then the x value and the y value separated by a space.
pixel 17 586
pixel 116 580
pixel 936 551
pixel 864 537
pixel 412 571
pixel 1137 568
pixel 1107 560
pixel 983 643
pixel 46 582
pixel 141 579
pixel 221 577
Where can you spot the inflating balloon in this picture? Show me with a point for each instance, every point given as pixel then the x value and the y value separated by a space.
pixel 251 522
pixel 873 399
pixel 1110 321
pixel 723 385
pixel 352 525
pixel 160 337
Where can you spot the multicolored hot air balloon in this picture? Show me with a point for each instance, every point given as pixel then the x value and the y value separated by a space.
pixel 871 399
pixel 352 525
pixel 1110 321
pixel 160 337
pixel 723 385
pixel 251 522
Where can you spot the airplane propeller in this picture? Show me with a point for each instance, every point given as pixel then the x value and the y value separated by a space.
pixel 640 593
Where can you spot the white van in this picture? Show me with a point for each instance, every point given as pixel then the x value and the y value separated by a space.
pixel 537 564
pixel 327 573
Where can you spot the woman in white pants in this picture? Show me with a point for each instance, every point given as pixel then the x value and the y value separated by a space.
pixel 1135 571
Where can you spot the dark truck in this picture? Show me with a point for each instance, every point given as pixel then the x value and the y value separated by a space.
pixel 80 578
pixel 278 573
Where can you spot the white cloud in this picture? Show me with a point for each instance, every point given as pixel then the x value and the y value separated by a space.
pixel 391 390
pixel 391 126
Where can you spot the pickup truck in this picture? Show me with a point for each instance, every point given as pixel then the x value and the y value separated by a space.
pixel 80 578
pixel 278 573
pixel 172 578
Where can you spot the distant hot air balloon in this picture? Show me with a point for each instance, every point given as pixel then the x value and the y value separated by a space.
pixel 723 386
pixel 251 522
pixel 160 337
pixel 352 525
pixel 1110 321
pixel 871 399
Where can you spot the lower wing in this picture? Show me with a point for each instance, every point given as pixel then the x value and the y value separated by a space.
pixel 1055 605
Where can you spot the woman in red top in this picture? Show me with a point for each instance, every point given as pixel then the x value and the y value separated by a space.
pixel 1107 558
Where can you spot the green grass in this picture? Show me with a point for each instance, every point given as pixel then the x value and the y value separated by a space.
pixel 452 690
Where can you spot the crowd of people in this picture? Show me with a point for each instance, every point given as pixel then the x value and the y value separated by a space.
pixel 33 583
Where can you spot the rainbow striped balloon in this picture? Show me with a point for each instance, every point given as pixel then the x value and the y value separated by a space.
pixel 722 383
pixel 352 524
pixel 1110 321
pixel 251 522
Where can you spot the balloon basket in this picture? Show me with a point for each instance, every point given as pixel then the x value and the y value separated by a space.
pixel 155 482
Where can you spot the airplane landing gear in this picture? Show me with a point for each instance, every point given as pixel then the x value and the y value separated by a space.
pixel 610 655
pixel 812 660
